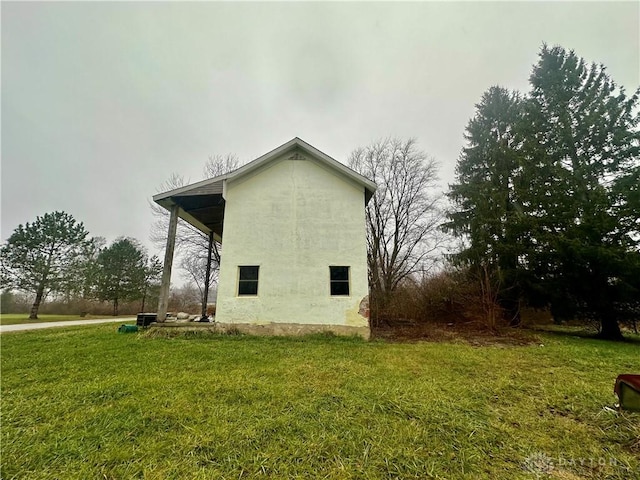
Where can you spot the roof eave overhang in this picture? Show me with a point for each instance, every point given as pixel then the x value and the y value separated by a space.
pixel 187 188
pixel 168 203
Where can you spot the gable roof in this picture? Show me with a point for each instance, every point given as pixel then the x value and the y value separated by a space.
pixel 194 211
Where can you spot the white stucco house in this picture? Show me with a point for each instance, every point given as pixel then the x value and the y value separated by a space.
pixel 292 228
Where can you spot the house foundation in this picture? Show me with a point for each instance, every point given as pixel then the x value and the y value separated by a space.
pixel 269 329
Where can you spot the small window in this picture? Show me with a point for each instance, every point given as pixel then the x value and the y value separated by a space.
pixel 339 280
pixel 248 280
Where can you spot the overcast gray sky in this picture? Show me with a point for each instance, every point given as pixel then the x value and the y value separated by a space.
pixel 101 102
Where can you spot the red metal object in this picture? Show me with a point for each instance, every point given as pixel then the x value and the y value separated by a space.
pixel 627 388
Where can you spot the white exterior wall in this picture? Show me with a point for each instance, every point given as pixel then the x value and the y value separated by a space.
pixel 293 218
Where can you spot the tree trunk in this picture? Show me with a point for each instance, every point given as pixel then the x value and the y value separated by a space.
pixel 603 307
pixel 610 329
pixel 207 279
pixel 516 319
pixel 115 307
pixel 36 304
pixel 144 298
pixel 512 314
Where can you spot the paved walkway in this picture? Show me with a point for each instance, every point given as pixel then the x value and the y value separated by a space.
pixel 66 323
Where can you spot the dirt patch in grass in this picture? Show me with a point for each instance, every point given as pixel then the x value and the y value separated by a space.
pixel 584 331
pixel 470 333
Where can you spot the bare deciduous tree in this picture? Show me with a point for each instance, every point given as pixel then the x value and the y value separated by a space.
pixel 220 164
pixel 194 270
pixel 404 215
pixel 184 298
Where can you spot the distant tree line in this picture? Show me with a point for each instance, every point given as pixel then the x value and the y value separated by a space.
pixel 54 256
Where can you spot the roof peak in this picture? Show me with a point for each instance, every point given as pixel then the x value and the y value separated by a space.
pixel 368 185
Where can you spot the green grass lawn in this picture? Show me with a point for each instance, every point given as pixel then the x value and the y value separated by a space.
pixel 21 318
pixel 86 402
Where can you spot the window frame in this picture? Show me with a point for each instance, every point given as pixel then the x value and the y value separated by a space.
pixel 333 282
pixel 248 281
